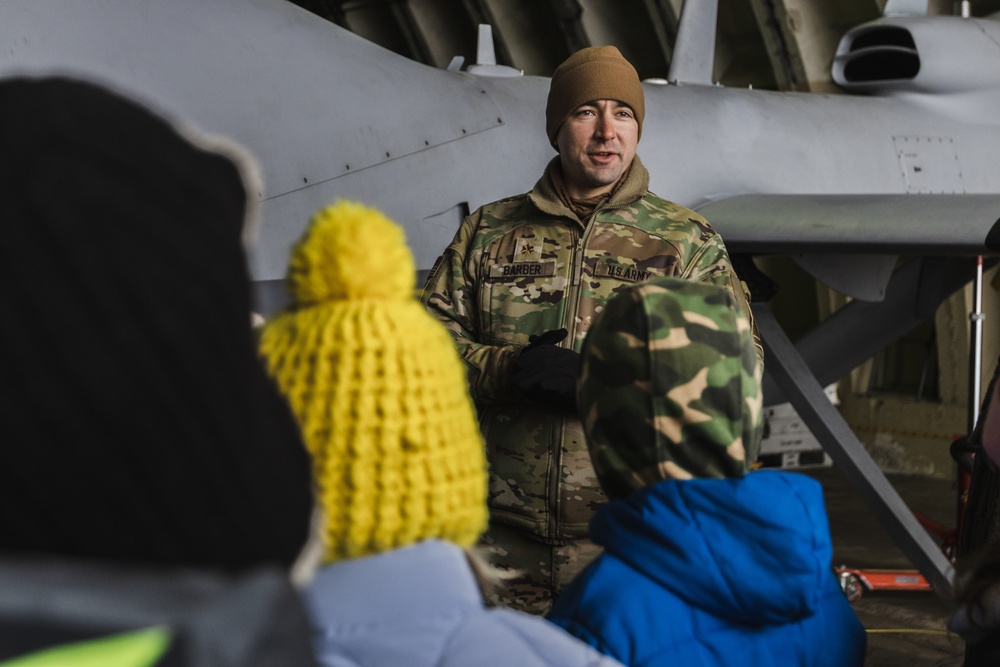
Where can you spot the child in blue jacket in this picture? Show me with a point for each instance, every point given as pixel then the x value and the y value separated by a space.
pixel 703 563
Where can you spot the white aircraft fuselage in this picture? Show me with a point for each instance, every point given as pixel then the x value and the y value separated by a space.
pixel 330 115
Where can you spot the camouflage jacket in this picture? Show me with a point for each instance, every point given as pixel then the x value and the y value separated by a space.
pixel 525 265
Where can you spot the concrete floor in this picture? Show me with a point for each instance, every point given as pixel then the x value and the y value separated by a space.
pixel 905 628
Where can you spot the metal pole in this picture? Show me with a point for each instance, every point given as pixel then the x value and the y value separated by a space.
pixel 796 381
pixel 976 318
pixel 976 345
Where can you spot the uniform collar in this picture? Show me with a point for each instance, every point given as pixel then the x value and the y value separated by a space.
pixel 546 199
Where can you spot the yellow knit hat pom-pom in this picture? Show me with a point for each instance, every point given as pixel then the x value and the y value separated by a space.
pixel 344 245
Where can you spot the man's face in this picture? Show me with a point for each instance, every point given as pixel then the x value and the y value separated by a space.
pixel 596 145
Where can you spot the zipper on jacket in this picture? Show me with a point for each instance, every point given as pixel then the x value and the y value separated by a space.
pixel 577 276
pixel 559 424
pixel 576 279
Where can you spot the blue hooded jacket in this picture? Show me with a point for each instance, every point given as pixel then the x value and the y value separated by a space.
pixel 715 572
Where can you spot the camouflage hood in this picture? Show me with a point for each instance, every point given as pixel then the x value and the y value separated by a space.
pixel 670 386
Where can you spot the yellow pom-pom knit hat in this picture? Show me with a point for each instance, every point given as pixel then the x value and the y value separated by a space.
pixel 379 391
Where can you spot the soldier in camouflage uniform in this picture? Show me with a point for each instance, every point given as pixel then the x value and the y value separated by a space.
pixel 524 271
pixel 703 564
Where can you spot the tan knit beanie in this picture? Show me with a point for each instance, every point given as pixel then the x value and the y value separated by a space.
pixel 593 73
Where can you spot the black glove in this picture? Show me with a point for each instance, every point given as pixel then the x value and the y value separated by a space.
pixel 546 374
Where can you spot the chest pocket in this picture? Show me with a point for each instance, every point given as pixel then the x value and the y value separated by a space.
pixel 623 254
pixel 618 256
pixel 524 281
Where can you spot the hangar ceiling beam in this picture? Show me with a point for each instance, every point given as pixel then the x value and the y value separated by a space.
pixel 663 19
pixel 780 44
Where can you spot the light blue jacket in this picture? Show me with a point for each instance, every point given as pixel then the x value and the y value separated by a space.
pixel 715 572
pixel 421 606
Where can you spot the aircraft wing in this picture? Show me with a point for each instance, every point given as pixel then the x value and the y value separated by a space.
pixel 965 224
pixel 852 242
